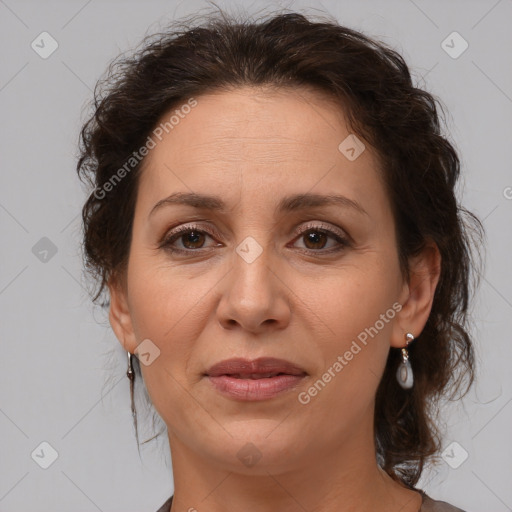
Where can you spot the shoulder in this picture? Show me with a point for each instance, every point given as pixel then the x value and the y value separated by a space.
pixel 430 505
pixel 166 507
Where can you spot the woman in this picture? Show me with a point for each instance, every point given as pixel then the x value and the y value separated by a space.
pixel 274 218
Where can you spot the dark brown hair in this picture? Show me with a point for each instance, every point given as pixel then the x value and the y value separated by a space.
pixel 372 85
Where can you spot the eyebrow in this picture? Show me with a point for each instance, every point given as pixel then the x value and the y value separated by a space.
pixel 292 203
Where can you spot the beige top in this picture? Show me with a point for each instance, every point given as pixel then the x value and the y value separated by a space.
pixel 428 505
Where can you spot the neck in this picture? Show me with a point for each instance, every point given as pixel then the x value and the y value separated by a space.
pixel 341 479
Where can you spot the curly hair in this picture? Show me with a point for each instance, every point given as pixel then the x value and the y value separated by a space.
pixel 372 84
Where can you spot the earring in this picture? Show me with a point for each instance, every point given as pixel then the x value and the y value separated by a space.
pixel 130 373
pixel 404 374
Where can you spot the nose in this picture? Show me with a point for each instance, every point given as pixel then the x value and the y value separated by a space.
pixel 253 297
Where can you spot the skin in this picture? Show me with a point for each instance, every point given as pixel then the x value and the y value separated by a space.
pixel 252 147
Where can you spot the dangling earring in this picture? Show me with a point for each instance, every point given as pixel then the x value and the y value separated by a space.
pixel 404 374
pixel 130 373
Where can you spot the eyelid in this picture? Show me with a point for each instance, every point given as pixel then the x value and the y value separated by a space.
pixel 327 227
pixel 174 232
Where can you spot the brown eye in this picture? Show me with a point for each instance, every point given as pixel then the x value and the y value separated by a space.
pixel 193 239
pixel 315 239
pixel 186 239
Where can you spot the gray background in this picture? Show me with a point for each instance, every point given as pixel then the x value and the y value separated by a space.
pixel 62 377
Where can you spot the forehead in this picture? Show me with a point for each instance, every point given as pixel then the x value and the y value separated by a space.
pixel 264 138
pixel 270 123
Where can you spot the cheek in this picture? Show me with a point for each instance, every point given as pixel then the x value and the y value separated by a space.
pixel 348 301
pixel 166 300
pixel 164 308
pixel 167 308
pixel 354 313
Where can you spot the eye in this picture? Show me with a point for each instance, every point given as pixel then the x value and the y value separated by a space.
pixel 191 237
pixel 316 237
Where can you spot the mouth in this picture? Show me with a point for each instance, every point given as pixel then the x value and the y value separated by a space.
pixel 254 380
pixel 263 367
pixel 254 375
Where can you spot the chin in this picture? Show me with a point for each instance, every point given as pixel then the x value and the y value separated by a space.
pixel 258 447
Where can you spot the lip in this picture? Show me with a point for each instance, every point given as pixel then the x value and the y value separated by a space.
pixel 249 380
pixel 246 367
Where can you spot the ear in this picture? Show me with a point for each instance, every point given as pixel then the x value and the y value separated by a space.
pixel 417 295
pixel 119 315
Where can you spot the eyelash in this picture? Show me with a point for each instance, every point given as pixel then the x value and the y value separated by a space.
pixel 181 230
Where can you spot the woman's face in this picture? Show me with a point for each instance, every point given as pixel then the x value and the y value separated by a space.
pixel 261 274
